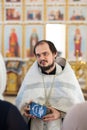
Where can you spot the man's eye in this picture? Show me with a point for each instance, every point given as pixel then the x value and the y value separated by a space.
pixel 46 54
pixel 37 55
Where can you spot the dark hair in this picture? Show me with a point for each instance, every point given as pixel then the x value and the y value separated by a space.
pixel 50 44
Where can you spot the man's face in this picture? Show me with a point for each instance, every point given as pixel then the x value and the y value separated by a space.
pixel 44 56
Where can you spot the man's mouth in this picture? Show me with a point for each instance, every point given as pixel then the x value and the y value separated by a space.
pixel 43 62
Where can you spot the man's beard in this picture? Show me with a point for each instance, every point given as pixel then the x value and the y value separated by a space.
pixel 45 68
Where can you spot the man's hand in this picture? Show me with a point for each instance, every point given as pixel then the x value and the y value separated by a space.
pixel 26 111
pixel 54 115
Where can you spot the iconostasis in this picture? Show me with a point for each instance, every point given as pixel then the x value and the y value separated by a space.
pixel 23 23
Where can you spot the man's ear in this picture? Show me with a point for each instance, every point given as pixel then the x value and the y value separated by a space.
pixel 55 54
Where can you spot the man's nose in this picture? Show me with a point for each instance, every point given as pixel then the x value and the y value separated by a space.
pixel 42 57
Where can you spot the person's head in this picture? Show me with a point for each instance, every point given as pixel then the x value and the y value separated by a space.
pixel 45 53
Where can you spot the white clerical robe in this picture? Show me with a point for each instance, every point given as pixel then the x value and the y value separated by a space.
pixel 65 92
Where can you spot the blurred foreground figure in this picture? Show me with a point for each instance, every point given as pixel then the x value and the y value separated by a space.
pixel 76 118
pixel 10 117
pixel 3 76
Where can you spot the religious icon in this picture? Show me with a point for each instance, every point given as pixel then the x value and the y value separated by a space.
pixel 33 40
pixel 77 42
pixel 34 33
pixel 14 68
pixel 12 40
pixel 13 43
pixel 55 14
pixel 13 14
pixel 77 16
pixel 12 82
pixel 34 14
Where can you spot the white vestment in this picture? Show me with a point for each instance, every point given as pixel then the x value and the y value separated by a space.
pixel 66 92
